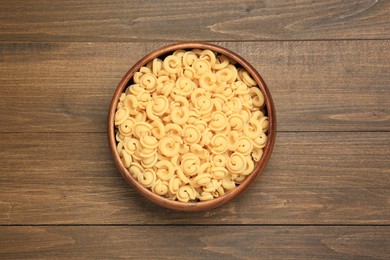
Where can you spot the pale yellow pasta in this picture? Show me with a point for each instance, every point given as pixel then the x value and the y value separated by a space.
pixel 218 160
pixel 191 134
pixel 207 81
pixel 219 144
pixel 218 121
pixel 186 193
pixel 149 162
pixel 236 162
pixel 203 179
pixel 126 128
pixel 205 196
pixel 228 184
pixel 180 115
pixel 168 147
pixel 219 173
pixel 127 160
pixel 147 177
pixel 160 187
pixel 148 81
pixel 253 129
pixel 221 62
pixel 209 56
pixel 141 129
pixel 135 168
pixel 191 126
pixel 236 122
pixel 165 170
pixel 158 129
pixel 204 168
pixel 121 115
pixel 172 64
pixel 257 96
pixel 260 141
pixel 174 184
pixel 131 145
pixel 257 154
pixel 200 67
pixel 190 164
pixel 244 145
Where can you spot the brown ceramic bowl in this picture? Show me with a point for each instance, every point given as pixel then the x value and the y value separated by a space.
pixel 203 205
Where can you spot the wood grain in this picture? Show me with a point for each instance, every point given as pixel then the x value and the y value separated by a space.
pixel 316 85
pixel 23 20
pixel 215 242
pixel 312 178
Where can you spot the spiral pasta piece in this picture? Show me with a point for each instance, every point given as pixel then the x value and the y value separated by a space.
pixel 186 193
pixel 180 115
pixel 221 62
pixel 160 187
pixel 130 102
pixel 253 129
pixel 174 184
pixel 219 144
pixel 218 160
pixel 257 154
pixel 207 81
pixel 165 170
pixel 168 147
pixel 236 122
pixel 190 164
pixel 157 108
pixel 149 162
pixel 158 129
pixel 236 163
pixel 191 134
pixel 184 86
pixel 218 121
pixel 249 166
pixel 126 158
pixel 204 104
pixel 189 58
pixel 135 168
pixel 219 173
pixel 200 67
pixel 209 56
pixel 126 127
pixel 257 96
pixel 141 129
pixel 172 64
pixel 247 79
pixel 228 184
pixel 121 115
pixel 147 178
pixel 148 81
pixel 244 145
pixel 131 145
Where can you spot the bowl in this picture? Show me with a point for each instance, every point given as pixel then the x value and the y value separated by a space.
pixel 201 205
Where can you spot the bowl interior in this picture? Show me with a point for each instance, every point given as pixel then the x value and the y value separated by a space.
pixel 202 205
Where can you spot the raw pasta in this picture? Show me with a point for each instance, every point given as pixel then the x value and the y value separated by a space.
pixel 190 127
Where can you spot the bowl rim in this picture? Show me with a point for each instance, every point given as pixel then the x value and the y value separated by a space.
pixel 259 166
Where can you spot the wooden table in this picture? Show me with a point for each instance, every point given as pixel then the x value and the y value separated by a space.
pixel 324 194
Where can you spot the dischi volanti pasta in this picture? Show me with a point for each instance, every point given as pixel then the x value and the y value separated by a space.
pixel 191 126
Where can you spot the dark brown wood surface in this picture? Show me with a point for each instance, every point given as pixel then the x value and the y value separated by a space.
pixel 215 242
pixel 175 20
pixel 325 193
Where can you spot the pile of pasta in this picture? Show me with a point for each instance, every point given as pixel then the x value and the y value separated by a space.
pixel 191 126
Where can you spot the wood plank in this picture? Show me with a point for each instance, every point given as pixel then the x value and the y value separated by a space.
pixel 312 178
pixel 316 85
pixel 23 20
pixel 215 242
